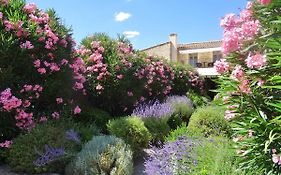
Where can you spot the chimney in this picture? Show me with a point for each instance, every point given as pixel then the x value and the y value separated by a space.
pixel 174 47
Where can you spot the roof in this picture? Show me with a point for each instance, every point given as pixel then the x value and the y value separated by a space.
pixel 200 45
pixel 161 44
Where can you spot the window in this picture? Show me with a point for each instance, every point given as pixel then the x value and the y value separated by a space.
pixel 217 55
pixel 193 59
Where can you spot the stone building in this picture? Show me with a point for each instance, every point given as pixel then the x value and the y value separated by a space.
pixel 200 55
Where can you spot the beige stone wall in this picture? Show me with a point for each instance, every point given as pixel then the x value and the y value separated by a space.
pixel 161 51
pixel 205 57
pixel 183 58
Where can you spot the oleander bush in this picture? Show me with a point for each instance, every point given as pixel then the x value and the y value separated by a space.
pixel 119 77
pixel 38 72
pixel 209 121
pixel 250 84
pixel 132 130
pixel 48 147
pixel 102 155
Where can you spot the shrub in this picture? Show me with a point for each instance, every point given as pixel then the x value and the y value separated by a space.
pixel 102 155
pixel 186 79
pixel 220 159
pixel 182 110
pixel 27 151
pixel 197 99
pixel 175 134
pixel 96 116
pixel 36 67
pixel 132 130
pixel 250 84
pixel 208 121
pixel 155 116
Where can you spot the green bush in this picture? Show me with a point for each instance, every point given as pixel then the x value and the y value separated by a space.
pixel 175 134
pixel 26 147
pixel 209 120
pixel 197 99
pixel 158 127
pixel 132 130
pixel 215 156
pixel 103 155
pixel 182 110
pixel 96 116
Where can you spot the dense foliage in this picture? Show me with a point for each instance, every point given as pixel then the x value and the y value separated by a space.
pixel 132 130
pixel 48 147
pixel 101 156
pixel 250 84
pixel 208 120
pixel 37 71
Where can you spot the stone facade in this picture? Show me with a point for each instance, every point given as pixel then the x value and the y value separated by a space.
pixel 200 54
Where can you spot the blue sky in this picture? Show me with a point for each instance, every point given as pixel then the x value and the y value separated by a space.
pixel 147 22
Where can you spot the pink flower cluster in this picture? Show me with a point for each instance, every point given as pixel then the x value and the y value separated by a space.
pixel 264 2
pixel 8 101
pixel 230 113
pixel 237 29
pixel 238 73
pixel 256 61
pixel 222 66
pixel 124 48
pixel 275 157
pixel 79 69
pixel 6 144
pixel 158 74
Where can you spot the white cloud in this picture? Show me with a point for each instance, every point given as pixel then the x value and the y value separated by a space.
pixel 131 34
pixel 122 16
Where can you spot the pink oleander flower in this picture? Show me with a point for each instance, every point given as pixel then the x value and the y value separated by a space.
pixel 231 41
pixel 6 144
pixel 256 61
pixel 26 103
pixel 64 62
pixel 5 2
pixel 95 44
pixel 99 87
pixel 238 138
pixel 30 8
pixel 238 72
pixel 43 119
pixel 260 82
pixel 37 63
pixel 1 15
pixel 229 21
pixel 77 110
pixel 41 70
pixel 26 45
pixel 229 115
pixel 120 76
pixel 264 2
pixel 130 94
pixel 221 66
pixel 276 159
pixel 59 100
pixel 55 115
pixel 244 87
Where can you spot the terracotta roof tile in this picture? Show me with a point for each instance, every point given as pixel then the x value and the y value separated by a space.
pixel 200 45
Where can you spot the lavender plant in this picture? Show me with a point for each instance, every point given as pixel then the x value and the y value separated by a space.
pixel 175 157
pixel 51 154
pixel 153 109
pixel 73 136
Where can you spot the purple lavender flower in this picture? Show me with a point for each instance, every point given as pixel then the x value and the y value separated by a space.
pixel 72 135
pixel 176 100
pixel 49 155
pixel 172 158
pixel 153 109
